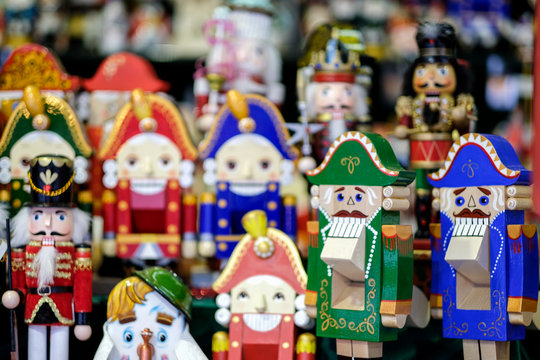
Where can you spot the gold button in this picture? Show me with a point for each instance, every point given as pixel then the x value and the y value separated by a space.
pixel 123 205
pixel 222 186
pixel 272 205
pixel 235 344
pixel 222 203
pixel 123 184
pixel 222 246
pixel 223 223
pixel 16 185
pixel 173 206
pixel 235 319
pixel 173 249
pixel 122 229
pixel 272 187
pixel 272 223
pixel 287 318
pixel 122 249
pixel 17 203
pixel 172 229
pixel 173 185
pixel 285 345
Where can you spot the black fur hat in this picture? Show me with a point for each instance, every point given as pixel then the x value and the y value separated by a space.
pixel 436 41
pixel 51 179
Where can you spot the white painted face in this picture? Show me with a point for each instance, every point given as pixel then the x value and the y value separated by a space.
pixel 251 56
pixel 482 202
pixel 167 329
pixel 34 144
pixel 51 223
pixel 263 294
pixel 350 200
pixel 147 156
pixel 250 160
pixel 336 98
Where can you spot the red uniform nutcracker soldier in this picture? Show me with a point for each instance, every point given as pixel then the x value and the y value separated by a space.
pixel 51 266
pixel 435 103
pixel 264 284
pixel 148 162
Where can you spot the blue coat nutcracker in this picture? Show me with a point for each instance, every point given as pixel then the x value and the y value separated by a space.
pixel 247 156
pixel 485 260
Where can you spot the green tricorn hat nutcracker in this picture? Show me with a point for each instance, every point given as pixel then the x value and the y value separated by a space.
pixel 51 179
pixel 360 158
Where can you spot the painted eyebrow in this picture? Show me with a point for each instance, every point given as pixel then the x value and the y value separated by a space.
pixel 340 189
pixel 164 319
pixel 38 211
pixel 60 212
pixel 484 190
pixel 358 189
pixel 127 317
pixel 459 191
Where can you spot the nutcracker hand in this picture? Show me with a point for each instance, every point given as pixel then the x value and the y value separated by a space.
pixel 11 299
pixel 520 318
pixel 311 311
pixel 436 313
pixel 394 321
pixel 207 248
pixel 459 116
pixel 82 332
pixel 189 249
pixel 109 247
pixel 401 131
pixel 205 122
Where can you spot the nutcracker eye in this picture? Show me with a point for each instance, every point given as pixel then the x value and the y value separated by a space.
pixel 243 296
pixel 265 164
pixel 484 200
pixel 443 71
pixel 231 165
pixel 131 162
pixel 460 201
pixel 348 91
pixel 61 216
pixel 326 91
pixel 340 197
pixel 279 297
pixel 162 336
pixel 128 336
pixel 420 71
pixel 25 161
pixel 37 216
pixel 358 197
pixel 165 162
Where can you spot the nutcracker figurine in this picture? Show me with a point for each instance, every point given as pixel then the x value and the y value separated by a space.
pixel 247 157
pixel 110 89
pixel 148 318
pixel 360 266
pixel 435 103
pixel 485 259
pixel 334 97
pixel 242 58
pixel 264 284
pixel 148 163
pixel 32 64
pixel 51 265
pixel 41 123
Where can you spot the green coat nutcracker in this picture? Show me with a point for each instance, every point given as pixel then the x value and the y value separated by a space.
pixel 360 266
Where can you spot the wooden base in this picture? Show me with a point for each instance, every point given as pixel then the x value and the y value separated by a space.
pixel 486 350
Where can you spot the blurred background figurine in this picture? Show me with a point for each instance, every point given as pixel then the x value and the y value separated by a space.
pixel 247 157
pixel 360 265
pixel 333 87
pixel 148 317
pixel 242 57
pixel 51 264
pixel 263 284
pixel 436 106
pixel 484 258
pixel 148 164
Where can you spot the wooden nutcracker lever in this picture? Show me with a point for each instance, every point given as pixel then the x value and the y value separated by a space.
pixel 145 350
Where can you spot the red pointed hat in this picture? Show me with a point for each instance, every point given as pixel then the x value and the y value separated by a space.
pixel 262 251
pixel 125 72
pixel 33 64
pixel 148 113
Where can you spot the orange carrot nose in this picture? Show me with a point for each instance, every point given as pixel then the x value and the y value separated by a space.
pixel 146 350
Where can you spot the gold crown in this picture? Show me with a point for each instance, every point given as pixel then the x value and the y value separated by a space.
pixel 330 59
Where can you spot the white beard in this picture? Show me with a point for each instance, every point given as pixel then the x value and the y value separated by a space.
pixel 45 264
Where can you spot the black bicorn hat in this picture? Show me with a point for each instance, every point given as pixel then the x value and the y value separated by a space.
pixel 436 41
pixel 51 180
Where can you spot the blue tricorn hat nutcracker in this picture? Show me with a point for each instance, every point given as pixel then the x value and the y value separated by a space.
pixel 481 160
pixel 51 179
pixel 248 114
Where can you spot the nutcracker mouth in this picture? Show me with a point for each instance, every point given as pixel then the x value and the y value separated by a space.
pixel 352 214
pixel 248 188
pixel 262 322
pixel 148 186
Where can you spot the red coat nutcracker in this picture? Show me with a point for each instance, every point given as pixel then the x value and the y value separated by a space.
pixel 267 283
pixel 148 161
pixel 51 266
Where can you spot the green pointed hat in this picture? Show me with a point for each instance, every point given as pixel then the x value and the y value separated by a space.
pixel 39 112
pixel 168 285
pixel 360 159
